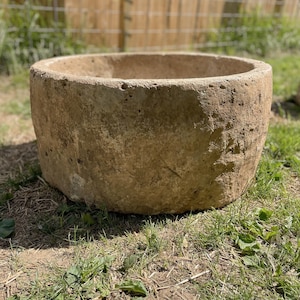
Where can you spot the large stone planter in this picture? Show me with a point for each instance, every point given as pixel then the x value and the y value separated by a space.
pixel 150 133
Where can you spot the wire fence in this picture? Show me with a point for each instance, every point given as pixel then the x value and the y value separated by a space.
pixel 149 25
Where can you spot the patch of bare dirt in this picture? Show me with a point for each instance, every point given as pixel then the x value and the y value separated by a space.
pixel 20 266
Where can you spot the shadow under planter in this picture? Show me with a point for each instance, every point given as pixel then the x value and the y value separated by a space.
pixel 150 133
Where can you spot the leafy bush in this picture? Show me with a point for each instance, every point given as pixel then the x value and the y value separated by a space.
pixel 258 34
pixel 26 37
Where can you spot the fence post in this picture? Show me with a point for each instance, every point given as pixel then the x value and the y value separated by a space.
pixel 278 8
pixel 124 23
pixel 230 9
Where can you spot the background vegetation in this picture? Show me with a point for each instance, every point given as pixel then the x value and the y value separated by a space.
pixel 248 250
pixel 27 36
pixel 259 35
pixel 24 40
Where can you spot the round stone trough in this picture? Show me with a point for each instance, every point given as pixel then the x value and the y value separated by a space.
pixel 150 133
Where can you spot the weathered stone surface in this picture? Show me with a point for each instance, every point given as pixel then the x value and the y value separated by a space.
pixel 150 133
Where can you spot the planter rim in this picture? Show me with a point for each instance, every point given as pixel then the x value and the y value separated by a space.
pixel 43 68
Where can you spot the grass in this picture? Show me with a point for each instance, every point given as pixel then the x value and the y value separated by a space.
pixel 248 250
pixel 257 34
pixel 286 74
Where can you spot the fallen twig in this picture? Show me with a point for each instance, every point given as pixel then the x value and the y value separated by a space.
pixel 12 278
pixel 185 280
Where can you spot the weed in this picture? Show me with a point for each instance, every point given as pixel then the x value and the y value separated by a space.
pixel 7 227
pixel 153 241
pixel 130 261
pixel 215 230
pixel 23 40
pixel 258 34
pixel 83 280
pixel 133 287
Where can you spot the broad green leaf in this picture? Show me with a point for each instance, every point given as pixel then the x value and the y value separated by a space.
pixel 85 270
pixel 248 244
pixel 247 238
pixel 73 275
pixel 133 287
pixel 248 247
pixel 256 228
pixel 130 261
pixel 7 227
pixel 91 268
pixel 264 214
pixel 273 232
pixel 250 261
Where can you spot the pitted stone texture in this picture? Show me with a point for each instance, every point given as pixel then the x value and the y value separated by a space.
pixel 187 135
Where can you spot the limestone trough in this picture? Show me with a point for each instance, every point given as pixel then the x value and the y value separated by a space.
pixel 150 133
